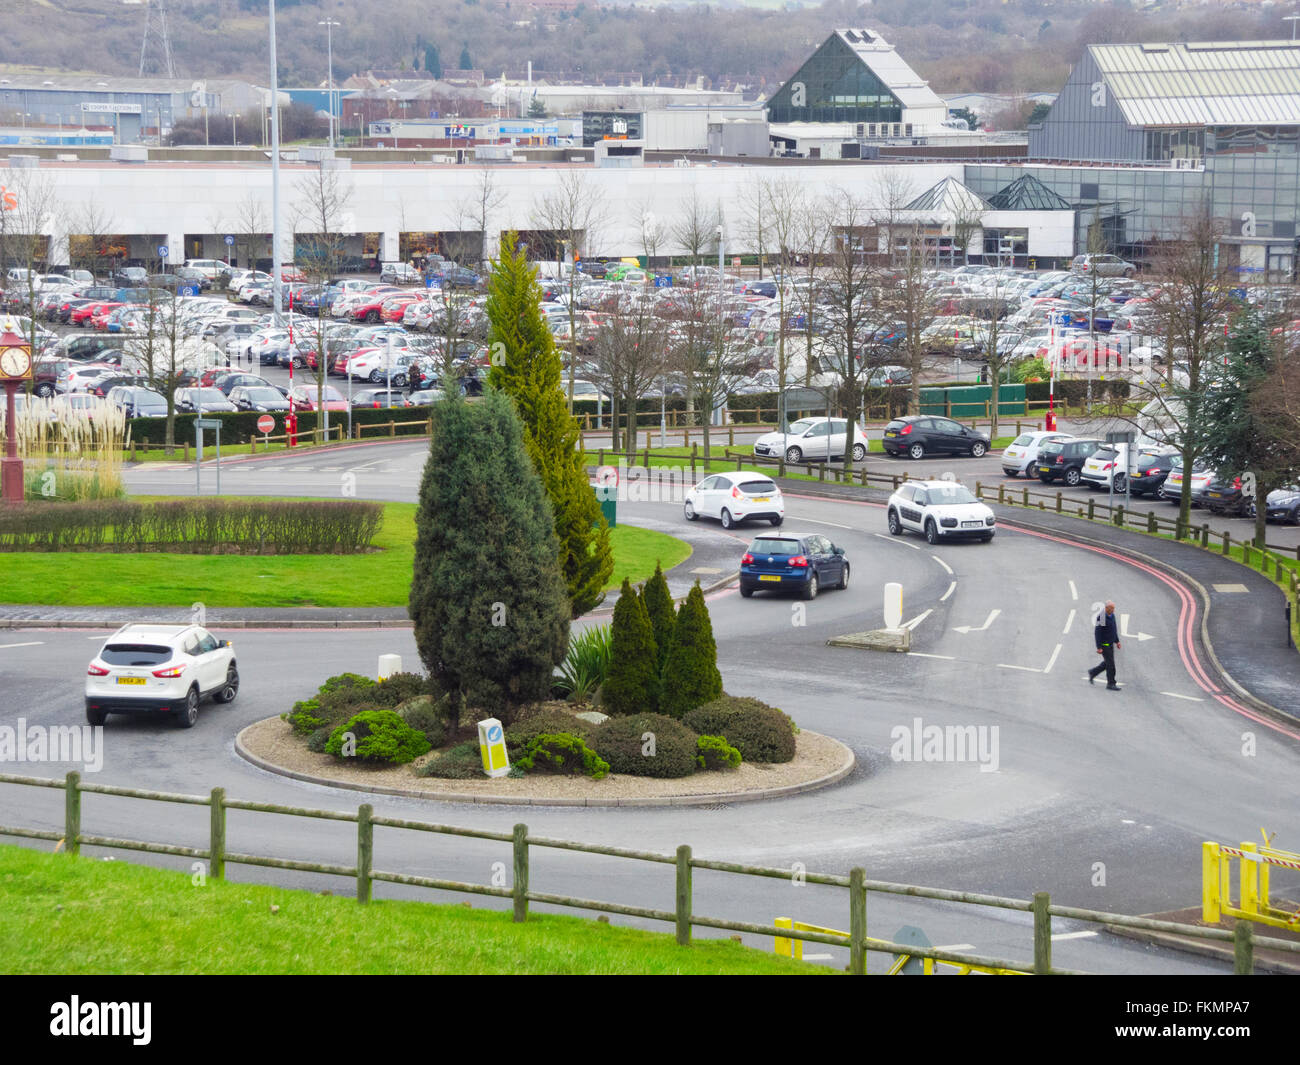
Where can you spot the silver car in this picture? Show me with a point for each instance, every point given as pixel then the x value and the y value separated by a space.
pixel 1102 266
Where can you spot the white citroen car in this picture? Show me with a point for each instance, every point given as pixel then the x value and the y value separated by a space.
pixel 1021 455
pixel 939 510
pixel 740 495
pixel 160 669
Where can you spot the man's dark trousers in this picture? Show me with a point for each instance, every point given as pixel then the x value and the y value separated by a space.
pixel 1107 663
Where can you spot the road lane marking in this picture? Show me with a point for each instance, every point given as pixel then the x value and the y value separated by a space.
pixel 896 540
pixel 944 565
pixel 818 957
pixel 917 620
pixel 955 947
pixel 1027 669
pixel 952 587
pixel 833 525
pixel 1068 622
pixel 1073 935
pixel 1052 661
pixel 1074 592
pixel 1126 635
pixel 33 643
pixel 922 654
pixel 1189 698
pixel 993 616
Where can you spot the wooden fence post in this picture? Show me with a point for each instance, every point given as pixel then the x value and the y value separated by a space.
pixel 1092 509
pixel 217 834
pixel 1002 493
pixel 1058 502
pixel 695 450
pixel 1118 516
pixel 1243 949
pixel 1205 534
pixel 857 921
pixel 365 851
pixel 1227 543
pixel 520 888
pixel 72 813
pixel 1042 934
pixel 1024 497
pixel 684 895
pixel 1151 522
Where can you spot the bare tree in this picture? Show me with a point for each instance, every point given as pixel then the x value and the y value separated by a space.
pixel 909 302
pixel 89 246
pixel 894 191
pixel 695 227
pixel 477 208
pixel 628 355
pixel 574 211
pixel 320 205
pixel 251 226
pixel 784 203
pixel 27 229
pixel 756 218
pixel 163 353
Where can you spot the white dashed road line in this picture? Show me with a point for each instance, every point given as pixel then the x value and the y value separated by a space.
pixel 896 540
pixel 1074 592
pixel 952 587
pixel 1189 698
pixel 832 524
pixel 33 643
pixel 944 565
pixel 1068 622
pixel 917 620
pixel 1052 661
pixel 1072 935
pixel 922 654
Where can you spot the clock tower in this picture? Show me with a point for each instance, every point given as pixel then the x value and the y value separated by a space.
pixel 15 372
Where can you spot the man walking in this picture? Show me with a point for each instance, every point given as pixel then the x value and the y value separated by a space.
pixel 1106 631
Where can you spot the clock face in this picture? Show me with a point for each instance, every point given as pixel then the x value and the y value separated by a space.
pixel 15 362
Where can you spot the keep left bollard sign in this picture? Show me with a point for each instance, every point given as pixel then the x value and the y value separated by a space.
pixel 492 746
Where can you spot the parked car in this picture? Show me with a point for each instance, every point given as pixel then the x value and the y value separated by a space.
pixel 399 274
pixel 160 669
pixel 258 398
pixel 939 510
pixel 884 376
pixel 1283 505
pixel 1201 476
pixel 1224 495
pixel 1021 455
pixel 818 439
pixel 742 495
pixel 303 397
pixel 226 380
pixel 919 435
pixel 380 397
pixel 203 401
pixel 1102 266
pixel 1064 459
pixel 802 564
pixel 138 402
pixel 1149 472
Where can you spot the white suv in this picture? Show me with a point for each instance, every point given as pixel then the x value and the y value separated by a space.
pixel 941 510
pixel 146 669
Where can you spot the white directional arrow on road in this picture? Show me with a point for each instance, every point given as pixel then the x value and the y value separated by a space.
pixel 1124 634
pixel 979 628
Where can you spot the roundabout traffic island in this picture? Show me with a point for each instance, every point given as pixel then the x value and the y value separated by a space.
pixel 562 753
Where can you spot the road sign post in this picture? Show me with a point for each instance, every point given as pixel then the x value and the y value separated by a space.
pixel 199 425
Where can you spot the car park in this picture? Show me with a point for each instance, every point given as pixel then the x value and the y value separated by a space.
pixel 1021 455
pixel 1102 266
pixel 817 439
pixel 939 510
pixel 920 435
pixel 203 401
pixel 1063 459
pixel 160 669
pixel 138 402
pixel 736 496
pixel 802 564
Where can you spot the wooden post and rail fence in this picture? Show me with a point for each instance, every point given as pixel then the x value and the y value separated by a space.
pixel 682 916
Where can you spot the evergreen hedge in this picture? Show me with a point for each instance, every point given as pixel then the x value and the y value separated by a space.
pixel 631 682
pixel 239 427
pixel 690 675
pixel 646 745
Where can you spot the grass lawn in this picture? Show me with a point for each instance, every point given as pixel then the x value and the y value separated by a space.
pixel 380 579
pixel 69 915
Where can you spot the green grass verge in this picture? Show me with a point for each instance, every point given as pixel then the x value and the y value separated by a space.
pixel 379 579
pixel 69 915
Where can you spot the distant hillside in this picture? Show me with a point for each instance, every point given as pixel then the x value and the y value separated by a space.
pixel 960 45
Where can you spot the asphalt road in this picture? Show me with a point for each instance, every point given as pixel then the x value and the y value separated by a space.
pixel 1100 798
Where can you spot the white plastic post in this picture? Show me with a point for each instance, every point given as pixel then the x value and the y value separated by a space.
pixel 893 605
pixel 388 665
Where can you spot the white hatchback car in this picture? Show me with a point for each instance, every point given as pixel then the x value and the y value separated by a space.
pixel 150 669
pixel 1021 455
pixel 813 438
pixel 940 510
pixel 740 495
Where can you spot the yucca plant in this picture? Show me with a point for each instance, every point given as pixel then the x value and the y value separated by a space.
pixel 585 666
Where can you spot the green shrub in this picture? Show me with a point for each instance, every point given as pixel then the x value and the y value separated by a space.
pixel 564 753
pixel 633 662
pixel 400 687
pixel 522 733
pixel 427 715
pixel 345 680
pixel 462 762
pixel 381 736
pixel 317 740
pixel 305 717
pixel 690 675
pixel 585 665
pixel 646 745
pixel 714 752
pixel 760 732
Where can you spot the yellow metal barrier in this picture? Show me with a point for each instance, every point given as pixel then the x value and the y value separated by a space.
pixel 1254 903
pixel 793 948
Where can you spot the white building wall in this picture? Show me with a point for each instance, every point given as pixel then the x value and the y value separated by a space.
pixel 175 200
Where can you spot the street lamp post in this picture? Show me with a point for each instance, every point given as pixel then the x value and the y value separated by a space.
pixel 329 25
pixel 275 173
pixel 1293 19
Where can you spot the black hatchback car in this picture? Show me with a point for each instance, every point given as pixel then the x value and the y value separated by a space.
pixel 1150 471
pixel 1064 459
pixel 802 564
pixel 919 435
pixel 1224 495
